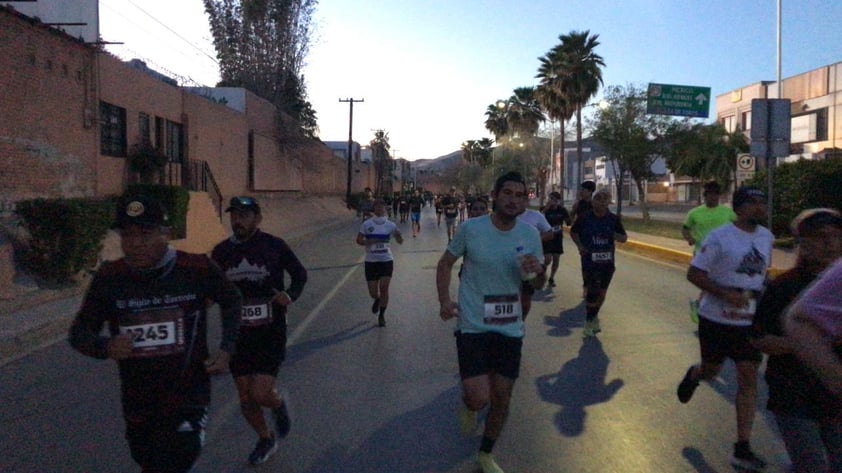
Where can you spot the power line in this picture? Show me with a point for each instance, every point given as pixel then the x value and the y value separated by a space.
pixel 173 31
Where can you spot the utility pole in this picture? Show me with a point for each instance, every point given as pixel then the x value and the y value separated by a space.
pixel 350 102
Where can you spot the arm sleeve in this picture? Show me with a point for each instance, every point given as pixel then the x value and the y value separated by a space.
pixel 225 293
pixel 84 334
pixel 297 273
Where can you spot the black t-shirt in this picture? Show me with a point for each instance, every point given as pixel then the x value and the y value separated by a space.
pixel 597 235
pixel 415 204
pixel 793 388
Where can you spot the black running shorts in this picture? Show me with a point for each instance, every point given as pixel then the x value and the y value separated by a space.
pixel 719 341
pixel 488 352
pixel 374 270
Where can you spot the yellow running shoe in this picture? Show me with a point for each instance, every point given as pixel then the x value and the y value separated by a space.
pixel 467 420
pixel 487 463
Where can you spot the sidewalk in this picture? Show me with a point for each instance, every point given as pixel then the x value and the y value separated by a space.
pixel 47 317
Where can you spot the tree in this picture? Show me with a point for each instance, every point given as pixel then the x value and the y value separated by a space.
pixel 523 112
pixel 261 46
pixel 495 121
pixel 704 152
pixel 632 139
pixel 551 96
pixel 380 155
pixel 577 71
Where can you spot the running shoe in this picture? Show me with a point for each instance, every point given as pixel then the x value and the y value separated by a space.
pixel 596 327
pixel 551 282
pixel 487 463
pixel 746 459
pixel 591 329
pixel 694 311
pixel 264 449
pixel 282 419
pixel 687 387
pixel 381 320
pixel 467 420
pixel 375 306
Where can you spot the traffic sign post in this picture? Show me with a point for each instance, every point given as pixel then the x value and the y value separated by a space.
pixel 681 100
pixel 746 166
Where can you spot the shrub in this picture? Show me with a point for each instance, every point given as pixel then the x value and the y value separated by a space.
pixel 174 199
pixel 801 185
pixel 65 235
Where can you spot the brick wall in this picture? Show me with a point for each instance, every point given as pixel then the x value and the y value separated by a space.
pixel 47 141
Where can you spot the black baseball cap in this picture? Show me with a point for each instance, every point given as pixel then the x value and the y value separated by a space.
pixel 746 194
pixel 243 203
pixel 140 210
pixel 589 185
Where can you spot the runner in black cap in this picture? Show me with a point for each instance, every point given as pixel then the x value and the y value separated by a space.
pixel 256 261
pixel 154 302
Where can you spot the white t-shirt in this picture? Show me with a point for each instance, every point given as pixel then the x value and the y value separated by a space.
pixel 737 259
pixel 379 230
pixel 536 219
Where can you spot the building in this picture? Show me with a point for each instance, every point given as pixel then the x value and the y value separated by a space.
pixel 71 115
pixel 816 110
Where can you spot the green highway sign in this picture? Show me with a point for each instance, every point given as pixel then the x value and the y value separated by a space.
pixel 682 100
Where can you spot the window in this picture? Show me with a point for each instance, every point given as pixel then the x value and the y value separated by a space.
pixel 159 132
pixel 728 123
pixel 745 121
pixel 143 128
pixel 175 142
pixel 112 130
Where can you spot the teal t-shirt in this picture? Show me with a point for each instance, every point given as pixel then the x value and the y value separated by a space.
pixel 490 286
pixel 703 219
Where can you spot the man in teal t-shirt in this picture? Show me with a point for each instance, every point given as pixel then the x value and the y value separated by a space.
pixel 707 217
pixel 499 253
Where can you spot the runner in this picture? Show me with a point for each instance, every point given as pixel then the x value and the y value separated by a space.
pixel 545 231
pixel 416 202
pixel 256 261
pixel 702 220
pixel 403 207
pixel 439 209
pixel 451 213
pixel 375 234
pixel 808 415
pixel 731 270
pixel 499 252
pixel 594 234
pixel 557 216
pixel 582 206
pixel 154 301
pixel 365 205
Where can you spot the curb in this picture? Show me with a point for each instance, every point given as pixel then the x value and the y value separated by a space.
pixel 669 255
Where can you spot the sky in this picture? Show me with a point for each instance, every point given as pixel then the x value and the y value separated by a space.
pixel 428 69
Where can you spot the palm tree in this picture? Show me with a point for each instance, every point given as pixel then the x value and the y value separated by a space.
pixel 558 107
pixel 495 121
pixel 380 154
pixel 523 113
pixel 579 69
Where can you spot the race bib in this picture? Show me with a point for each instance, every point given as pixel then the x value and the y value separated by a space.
pixel 155 332
pixel 601 256
pixel 501 310
pixel 741 313
pixel 256 312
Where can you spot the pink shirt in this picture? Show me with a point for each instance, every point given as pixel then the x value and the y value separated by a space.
pixel 821 303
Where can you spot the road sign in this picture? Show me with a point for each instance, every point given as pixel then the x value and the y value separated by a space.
pixel 682 100
pixel 746 166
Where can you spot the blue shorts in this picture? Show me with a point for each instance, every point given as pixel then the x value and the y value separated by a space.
pixel 415 216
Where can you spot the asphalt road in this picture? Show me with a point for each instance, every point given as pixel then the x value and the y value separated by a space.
pixel 382 400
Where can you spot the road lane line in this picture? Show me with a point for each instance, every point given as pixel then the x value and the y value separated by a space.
pixel 308 319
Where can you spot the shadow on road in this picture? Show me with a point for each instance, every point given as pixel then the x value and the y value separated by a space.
pixel 302 350
pixel 580 383
pixel 566 321
pixel 425 440
pixel 697 460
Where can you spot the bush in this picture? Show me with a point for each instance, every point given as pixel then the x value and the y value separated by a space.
pixel 174 199
pixel 801 185
pixel 65 235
